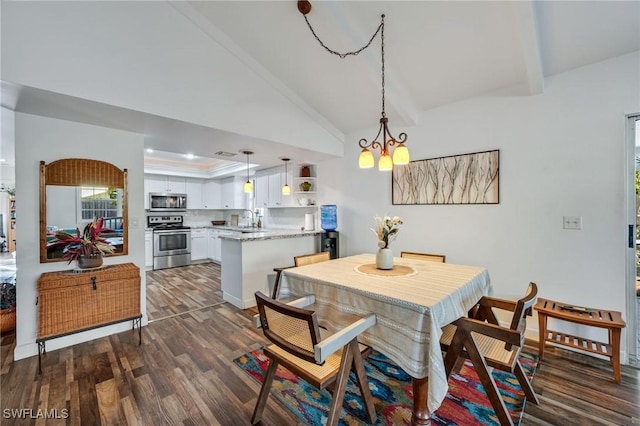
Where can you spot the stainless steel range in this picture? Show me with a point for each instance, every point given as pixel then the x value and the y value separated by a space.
pixel 171 241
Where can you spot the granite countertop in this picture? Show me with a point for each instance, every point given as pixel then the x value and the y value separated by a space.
pixel 245 234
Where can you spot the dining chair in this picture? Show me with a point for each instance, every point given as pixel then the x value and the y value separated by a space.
pixel 300 345
pixel 424 256
pixel 488 344
pixel 306 259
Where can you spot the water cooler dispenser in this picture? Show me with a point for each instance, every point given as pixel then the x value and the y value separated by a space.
pixel 329 242
pixel 329 222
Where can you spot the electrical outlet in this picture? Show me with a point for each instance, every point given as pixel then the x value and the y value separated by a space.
pixel 572 222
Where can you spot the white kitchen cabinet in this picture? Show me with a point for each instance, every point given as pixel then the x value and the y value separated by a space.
pixel 162 184
pixel 148 249
pixel 194 191
pixel 261 190
pixel 211 195
pixel 176 185
pixel 276 181
pixel 198 244
pixel 214 245
pixel 232 195
pixel 155 183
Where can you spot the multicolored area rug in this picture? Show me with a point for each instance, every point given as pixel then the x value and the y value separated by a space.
pixel 465 404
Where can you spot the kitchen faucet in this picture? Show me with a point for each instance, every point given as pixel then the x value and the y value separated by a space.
pixel 253 217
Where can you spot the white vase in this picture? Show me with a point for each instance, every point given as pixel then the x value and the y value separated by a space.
pixel 384 259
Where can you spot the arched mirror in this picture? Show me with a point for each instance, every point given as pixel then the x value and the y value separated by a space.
pixel 74 192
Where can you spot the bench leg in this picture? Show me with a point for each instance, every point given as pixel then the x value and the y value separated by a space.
pixel 542 333
pixel 614 339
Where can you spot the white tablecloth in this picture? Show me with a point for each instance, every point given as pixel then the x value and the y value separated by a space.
pixel 410 310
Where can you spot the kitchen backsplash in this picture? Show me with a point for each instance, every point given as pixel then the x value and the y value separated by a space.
pixel 282 218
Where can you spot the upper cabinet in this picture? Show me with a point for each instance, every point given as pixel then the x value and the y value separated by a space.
pixel 302 181
pixel 162 184
pixel 211 195
pixel 231 194
pixel 201 194
pixel 261 189
pixel 228 193
pixel 194 191
pixel 276 182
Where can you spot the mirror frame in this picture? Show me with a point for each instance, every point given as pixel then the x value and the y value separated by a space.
pixel 81 172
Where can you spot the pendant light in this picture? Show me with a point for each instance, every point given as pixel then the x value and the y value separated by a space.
pixel 400 153
pixel 387 141
pixel 286 189
pixel 248 185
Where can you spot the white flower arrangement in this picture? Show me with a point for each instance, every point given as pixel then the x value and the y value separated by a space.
pixel 386 229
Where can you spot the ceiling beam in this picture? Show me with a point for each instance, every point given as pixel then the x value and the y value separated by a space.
pixel 527 30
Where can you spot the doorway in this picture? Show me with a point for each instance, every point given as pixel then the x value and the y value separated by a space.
pixel 633 270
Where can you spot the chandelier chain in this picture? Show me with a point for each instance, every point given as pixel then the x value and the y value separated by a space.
pixel 382 51
pixel 344 55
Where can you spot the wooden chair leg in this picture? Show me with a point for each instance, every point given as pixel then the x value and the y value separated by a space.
pixel 525 384
pixel 276 285
pixel 487 381
pixel 264 392
pixel 340 385
pixel 363 384
pixel 453 353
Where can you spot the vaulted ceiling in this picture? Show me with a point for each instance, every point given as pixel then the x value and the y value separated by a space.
pixel 436 53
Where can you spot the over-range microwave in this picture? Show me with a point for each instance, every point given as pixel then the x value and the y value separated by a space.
pixel 162 202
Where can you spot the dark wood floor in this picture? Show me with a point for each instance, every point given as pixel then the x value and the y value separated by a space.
pixel 178 290
pixel 183 372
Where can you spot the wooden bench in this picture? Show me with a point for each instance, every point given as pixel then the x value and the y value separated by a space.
pixel 611 320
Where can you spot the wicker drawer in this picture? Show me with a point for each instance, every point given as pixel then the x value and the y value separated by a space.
pixel 70 302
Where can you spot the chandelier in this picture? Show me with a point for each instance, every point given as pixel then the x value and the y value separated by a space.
pixel 384 141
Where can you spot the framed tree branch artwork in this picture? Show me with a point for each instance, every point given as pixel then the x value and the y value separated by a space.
pixel 457 179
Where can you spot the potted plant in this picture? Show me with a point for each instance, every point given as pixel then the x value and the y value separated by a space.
pixel 386 230
pixel 7 306
pixel 86 247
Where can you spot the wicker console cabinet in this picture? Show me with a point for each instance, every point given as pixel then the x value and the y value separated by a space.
pixel 73 301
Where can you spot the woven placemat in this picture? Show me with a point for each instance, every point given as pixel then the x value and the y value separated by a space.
pixel 397 271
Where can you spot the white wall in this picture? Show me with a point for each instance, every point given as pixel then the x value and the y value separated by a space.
pixel 147 56
pixel 561 153
pixel 45 139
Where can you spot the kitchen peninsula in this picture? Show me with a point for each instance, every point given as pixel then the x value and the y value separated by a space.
pixel 248 259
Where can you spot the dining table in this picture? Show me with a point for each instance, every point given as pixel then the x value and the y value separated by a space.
pixel 412 302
